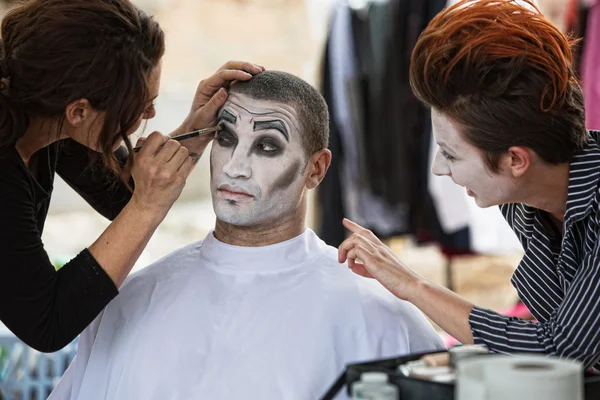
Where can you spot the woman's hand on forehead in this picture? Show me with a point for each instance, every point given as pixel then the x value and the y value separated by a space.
pixel 211 93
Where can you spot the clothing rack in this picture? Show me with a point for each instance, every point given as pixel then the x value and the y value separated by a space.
pixel 380 133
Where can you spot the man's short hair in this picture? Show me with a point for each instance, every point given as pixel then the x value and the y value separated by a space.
pixel 289 89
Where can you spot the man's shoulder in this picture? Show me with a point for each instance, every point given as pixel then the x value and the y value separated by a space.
pixel 377 304
pixel 144 289
pixel 378 301
pixel 167 269
pixel 397 323
pixel 367 291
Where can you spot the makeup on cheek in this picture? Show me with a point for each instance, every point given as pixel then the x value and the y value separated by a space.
pixel 288 177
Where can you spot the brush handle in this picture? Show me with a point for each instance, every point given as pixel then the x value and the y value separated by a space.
pixel 189 135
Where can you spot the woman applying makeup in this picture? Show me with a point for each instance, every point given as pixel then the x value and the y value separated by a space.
pixel 508 114
pixel 78 77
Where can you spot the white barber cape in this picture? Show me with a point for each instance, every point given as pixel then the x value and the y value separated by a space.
pixel 214 321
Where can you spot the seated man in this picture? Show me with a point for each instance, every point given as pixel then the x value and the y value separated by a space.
pixel 261 308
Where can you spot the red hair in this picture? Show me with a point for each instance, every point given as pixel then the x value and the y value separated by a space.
pixel 504 73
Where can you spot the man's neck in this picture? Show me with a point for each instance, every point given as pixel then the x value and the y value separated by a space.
pixel 261 235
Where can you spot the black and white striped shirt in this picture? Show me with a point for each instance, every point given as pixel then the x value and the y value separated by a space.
pixel 558 278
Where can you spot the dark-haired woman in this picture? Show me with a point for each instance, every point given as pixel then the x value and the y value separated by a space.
pixel 78 77
pixel 508 115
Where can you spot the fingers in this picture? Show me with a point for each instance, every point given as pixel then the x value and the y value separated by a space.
pixel 365 257
pixel 140 142
pixel 358 268
pixel 207 115
pixel 355 249
pixel 353 260
pixel 175 158
pixel 222 78
pixel 354 240
pixel 356 228
pixel 230 72
pixel 244 66
pixel 180 156
pixel 153 143
pixel 168 151
pixel 186 168
pixel 217 85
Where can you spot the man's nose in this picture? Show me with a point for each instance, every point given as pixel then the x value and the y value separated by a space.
pixel 238 167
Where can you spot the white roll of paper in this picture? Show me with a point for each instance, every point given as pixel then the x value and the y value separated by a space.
pixel 519 378
pixel 469 379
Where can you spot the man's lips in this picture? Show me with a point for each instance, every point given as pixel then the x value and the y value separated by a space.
pixel 229 191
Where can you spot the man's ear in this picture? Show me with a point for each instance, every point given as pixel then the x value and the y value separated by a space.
pixel 80 112
pixel 317 168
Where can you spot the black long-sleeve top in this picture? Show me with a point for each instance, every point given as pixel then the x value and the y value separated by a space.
pixel 559 276
pixel 46 308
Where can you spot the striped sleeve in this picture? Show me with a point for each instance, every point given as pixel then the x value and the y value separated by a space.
pixel 572 331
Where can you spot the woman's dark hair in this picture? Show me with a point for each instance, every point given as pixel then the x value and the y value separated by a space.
pixel 59 51
pixel 504 73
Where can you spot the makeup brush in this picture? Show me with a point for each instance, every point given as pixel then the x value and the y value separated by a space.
pixel 189 135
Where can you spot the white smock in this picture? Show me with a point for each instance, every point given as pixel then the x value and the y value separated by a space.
pixel 215 321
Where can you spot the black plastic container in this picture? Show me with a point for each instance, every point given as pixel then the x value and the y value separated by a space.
pixel 418 389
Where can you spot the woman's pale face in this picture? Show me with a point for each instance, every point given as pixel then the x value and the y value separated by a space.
pixel 257 162
pixel 465 164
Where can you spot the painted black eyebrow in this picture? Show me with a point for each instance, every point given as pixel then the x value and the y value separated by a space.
pixel 275 124
pixel 229 117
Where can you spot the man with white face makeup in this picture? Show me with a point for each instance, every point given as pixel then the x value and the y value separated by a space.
pixel 261 308
pixel 258 165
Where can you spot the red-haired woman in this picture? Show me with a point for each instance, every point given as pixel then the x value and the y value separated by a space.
pixel 77 78
pixel 508 115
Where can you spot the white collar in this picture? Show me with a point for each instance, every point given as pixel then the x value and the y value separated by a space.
pixel 279 257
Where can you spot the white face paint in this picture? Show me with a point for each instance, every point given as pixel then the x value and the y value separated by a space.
pixel 257 162
pixel 465 164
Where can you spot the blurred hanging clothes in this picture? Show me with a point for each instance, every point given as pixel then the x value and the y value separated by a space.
pixel 577 26
pixel 377 126
pixel 394 124
pixel 590 71
pixel 409 128
pixel 381 139
pixel 329 194
pixel 348 101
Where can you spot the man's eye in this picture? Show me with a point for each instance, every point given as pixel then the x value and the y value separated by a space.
pixel 267 147
pixel 225 140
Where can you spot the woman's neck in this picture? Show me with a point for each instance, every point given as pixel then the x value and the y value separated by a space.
pixel 548 190
pixel 41 133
